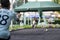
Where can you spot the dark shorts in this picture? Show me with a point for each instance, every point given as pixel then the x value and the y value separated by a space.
pixel 5 39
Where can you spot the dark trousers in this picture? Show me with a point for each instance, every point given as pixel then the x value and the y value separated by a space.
pixel 5 39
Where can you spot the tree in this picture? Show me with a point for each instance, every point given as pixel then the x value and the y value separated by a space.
pixel 56 1
pixel 19 2
pixel 26 1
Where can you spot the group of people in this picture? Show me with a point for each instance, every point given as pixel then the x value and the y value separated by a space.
pixel 6 15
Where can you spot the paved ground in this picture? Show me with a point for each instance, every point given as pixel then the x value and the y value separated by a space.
pixel 36 34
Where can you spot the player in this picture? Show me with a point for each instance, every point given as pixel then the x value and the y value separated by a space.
pixel 0 5
pixel 34 24
pixel 6 16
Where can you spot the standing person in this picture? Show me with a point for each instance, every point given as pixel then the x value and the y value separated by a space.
pixel 0 5
pixel 34 24
pixel 6 16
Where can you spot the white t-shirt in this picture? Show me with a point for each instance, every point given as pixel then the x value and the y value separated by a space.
pixel 34 22
pixel 5 20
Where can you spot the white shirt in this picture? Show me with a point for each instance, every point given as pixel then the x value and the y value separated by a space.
pixel 5 20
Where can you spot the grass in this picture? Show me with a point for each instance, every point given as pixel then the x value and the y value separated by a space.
pixel 15 27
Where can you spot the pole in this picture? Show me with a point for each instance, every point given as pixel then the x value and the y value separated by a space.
pixel 11 1
pixel 40 14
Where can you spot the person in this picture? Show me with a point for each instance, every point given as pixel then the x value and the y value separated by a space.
pixel 0 5
pixel 34 24
pixel 51 20
pixel 6 16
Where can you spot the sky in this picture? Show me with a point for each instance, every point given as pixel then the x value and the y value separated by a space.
pixel 40 0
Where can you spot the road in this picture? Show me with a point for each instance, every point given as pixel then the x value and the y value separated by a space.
pixel 36 34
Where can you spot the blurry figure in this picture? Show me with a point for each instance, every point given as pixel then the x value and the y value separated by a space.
pixel 21 20
pixel 34 24
pixel 51 20
pixel 0 5
pixel 18 16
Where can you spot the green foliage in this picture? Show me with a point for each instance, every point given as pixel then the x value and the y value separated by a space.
pixel 19 2
pixel 57 1
pixel 27 26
